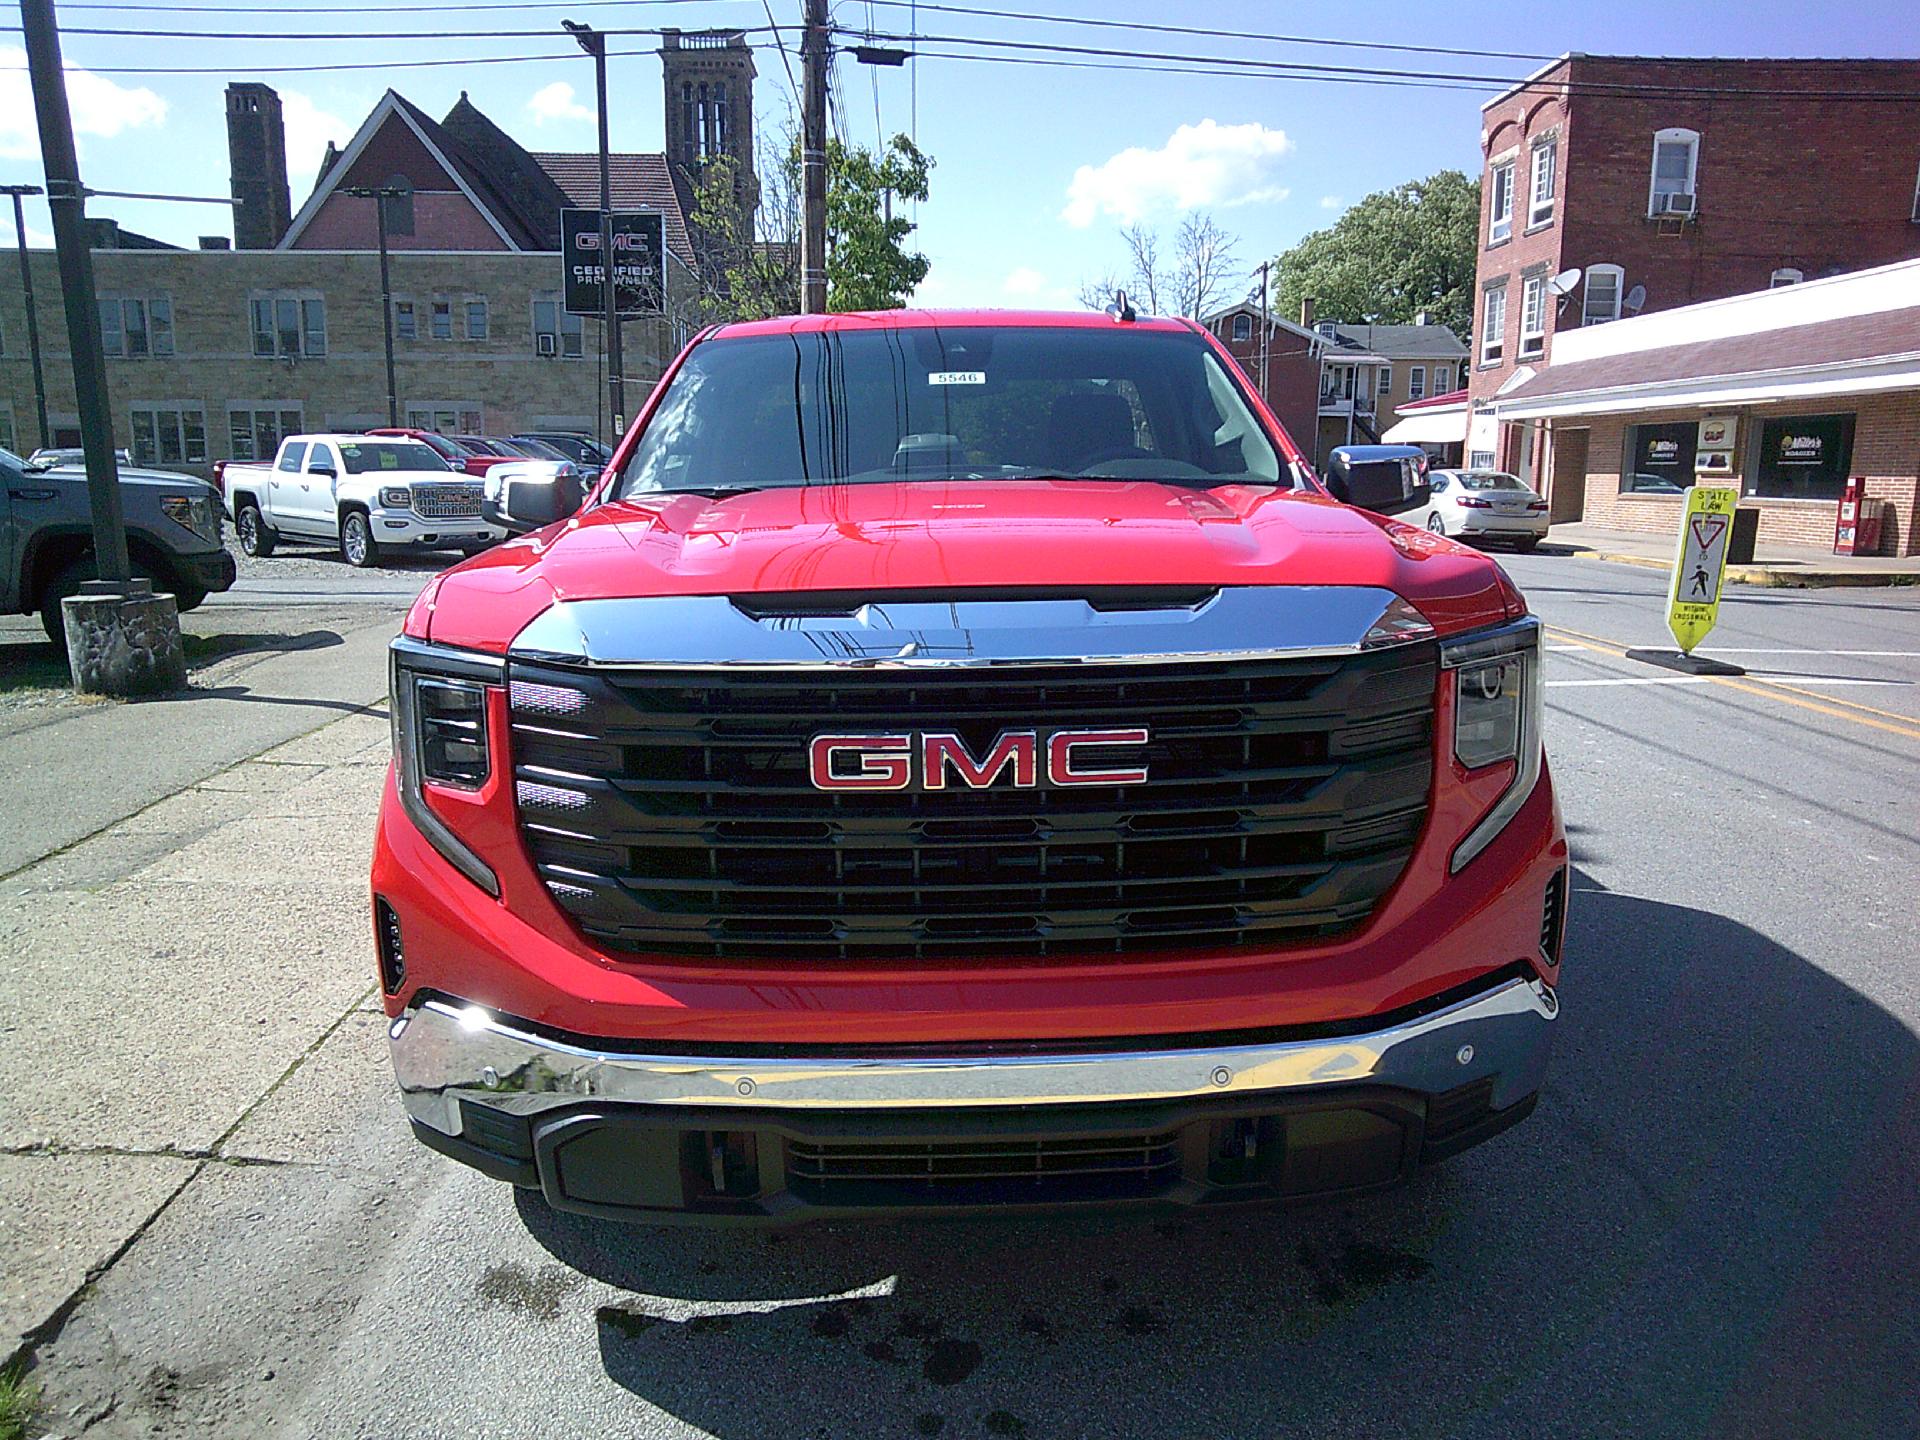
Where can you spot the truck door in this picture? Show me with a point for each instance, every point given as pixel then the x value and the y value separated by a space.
pixel 318 486
pixel 283 487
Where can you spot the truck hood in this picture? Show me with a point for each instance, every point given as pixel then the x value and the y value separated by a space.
pixel 130 475
pixel 957 535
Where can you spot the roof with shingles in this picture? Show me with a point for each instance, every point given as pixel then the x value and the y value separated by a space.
pixel 1413 342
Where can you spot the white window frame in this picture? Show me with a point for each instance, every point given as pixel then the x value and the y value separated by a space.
pixel 1499 221
pixel 1442 379
pixel 307 304
pixel 1383 383
pixel 155 310
pixel 1588 315
pixel 1417 382
pixel 467 417
pixel 1493 329
pixel 281 410
pixel 1242 327
pixel 1785 275
pixel 561 334
pixel 1673 136
pixel 1542 171
pixel 1533 331
pixel 180 412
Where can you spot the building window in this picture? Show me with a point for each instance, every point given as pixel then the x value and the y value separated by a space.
pixel 1804 457
pixel 1417 382
pixel 1659 458
pixel 136 326
pixel 1384 387
pixel 405 327
pixel 169 435
pixel 254 432
pixel 719 117
pixel 1676 155
pixel 1540 206
pixel 1442 379
pixel 448 417
pixel 1533 316
pixel 1786 275
pixel 554 331
pixel 476 319
pixel 1493 326
pixel 1500 213
pixel 442 320
pixel 1243 327
pixel 289 325
pixel 1601 300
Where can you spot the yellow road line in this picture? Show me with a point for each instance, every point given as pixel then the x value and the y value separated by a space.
pixel 1903 725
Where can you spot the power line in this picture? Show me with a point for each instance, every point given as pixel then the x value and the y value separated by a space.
pixel 232 69
pixel 1092 22
pixel 353 35
pixel 116 5
pixel 786 60
pixel 1302 68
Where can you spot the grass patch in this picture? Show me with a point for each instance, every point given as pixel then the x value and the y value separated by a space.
pixel 18 1399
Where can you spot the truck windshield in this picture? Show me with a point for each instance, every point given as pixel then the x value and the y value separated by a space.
pixel 362 456
pixel 951 402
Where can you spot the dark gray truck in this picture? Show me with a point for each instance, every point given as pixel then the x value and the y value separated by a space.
pixel 46 536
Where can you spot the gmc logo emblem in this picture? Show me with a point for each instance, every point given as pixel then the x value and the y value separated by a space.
pixel 891 762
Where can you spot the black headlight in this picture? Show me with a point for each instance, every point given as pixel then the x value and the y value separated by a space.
pixel 439 707
pixel 1496 716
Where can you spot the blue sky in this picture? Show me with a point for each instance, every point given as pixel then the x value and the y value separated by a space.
pixel 1037 168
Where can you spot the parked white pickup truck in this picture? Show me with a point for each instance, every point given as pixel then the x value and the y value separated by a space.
pixel 365 493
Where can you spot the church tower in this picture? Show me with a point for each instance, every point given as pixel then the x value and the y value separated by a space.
pixel 709 94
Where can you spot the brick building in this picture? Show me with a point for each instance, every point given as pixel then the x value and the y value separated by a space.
pixel 214 353
pixel 1666 182
pixel 1784 393
pixel 1292 361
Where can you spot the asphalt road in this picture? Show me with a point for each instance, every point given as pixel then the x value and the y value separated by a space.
pixel 1708 1227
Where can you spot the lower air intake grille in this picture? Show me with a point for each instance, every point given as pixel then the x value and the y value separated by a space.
pixel 1553 918
pixel 672 812
pixel 975 1171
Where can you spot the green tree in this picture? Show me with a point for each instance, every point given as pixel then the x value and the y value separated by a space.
pixel 750 264
pixel 1394 254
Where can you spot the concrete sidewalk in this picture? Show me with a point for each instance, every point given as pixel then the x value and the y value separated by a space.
pixel 1799 566
pixel 161 981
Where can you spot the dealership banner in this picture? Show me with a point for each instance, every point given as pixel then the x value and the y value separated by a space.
pixel 639 265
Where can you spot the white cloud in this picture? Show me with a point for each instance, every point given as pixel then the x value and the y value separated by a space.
pixel 1025 280
pixel 1200 165
pixel 308 128
pixel 555 102
pixel 1030 287
pixel 1332 202
pixel 99 106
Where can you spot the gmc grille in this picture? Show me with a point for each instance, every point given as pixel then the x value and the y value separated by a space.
pixel 447 502
pixel 671 813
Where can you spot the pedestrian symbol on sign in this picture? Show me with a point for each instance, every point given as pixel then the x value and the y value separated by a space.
pixel 1693 602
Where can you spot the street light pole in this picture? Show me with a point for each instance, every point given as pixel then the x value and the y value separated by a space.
pixel 814 59
pixel 33 320
pixel 66 200
pixel 380 194
pixel 595 44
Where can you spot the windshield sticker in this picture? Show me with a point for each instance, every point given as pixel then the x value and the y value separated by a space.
pixel 957 377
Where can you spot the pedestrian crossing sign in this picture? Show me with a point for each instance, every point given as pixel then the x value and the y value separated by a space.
pixel 1700 564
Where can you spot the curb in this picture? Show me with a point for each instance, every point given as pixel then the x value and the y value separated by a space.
pixel 1773 578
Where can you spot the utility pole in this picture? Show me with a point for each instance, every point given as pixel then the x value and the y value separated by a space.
pixel 380 194
pixel 595 44
pixel 66 199
pixel 814 60
pixel 1265 327
pixel 33 320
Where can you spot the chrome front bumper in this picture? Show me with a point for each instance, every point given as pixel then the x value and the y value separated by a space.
pixel 445 1053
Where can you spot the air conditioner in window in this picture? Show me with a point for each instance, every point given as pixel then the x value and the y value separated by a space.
pixel 547 345
pixel 1676 204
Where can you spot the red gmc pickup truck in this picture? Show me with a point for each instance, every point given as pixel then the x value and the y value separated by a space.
pixel 965 759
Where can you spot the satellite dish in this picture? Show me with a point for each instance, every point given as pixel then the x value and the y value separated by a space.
pixel 1563 283
pixel 1636 300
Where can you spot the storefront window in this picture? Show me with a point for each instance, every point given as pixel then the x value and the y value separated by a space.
pixel 1804 457
pixel 1659 458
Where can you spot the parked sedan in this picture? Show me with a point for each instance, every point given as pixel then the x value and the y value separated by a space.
pixel 1486 505
pixel 583 450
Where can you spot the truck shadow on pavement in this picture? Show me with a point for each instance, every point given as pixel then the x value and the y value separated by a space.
pixel 1708 1227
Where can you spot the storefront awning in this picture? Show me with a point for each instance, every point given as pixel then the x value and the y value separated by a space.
pixel 1429 427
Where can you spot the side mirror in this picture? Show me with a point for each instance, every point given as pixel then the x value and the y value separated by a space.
pixel 1386 487
pixel 323 469
pixel 530 495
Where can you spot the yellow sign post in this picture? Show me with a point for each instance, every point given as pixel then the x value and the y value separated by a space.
pixel 1700 564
